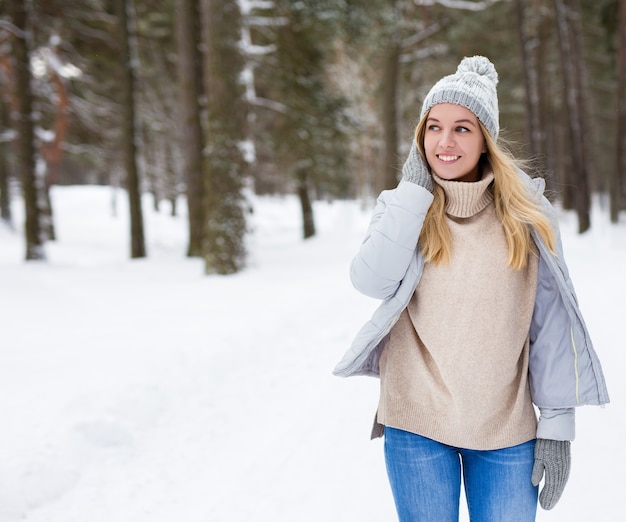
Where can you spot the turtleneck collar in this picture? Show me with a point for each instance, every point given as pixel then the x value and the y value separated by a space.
pixel 466 199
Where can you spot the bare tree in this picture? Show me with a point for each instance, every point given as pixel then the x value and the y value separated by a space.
pixel 190 89
pixel 129 134
pixel 616 183
pixel 52 151
pixel 5 194
pixel 527 30
pixel 569 33
pixel 390 81
pixel 26 161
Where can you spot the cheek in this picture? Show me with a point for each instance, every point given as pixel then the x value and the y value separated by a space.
pixel 475 150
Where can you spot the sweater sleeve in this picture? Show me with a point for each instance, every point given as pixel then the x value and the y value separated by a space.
pixel 391 240
pixel 556 423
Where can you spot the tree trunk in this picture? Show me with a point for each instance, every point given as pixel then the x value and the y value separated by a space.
pixel 171 177
pixel 26 135
pixel 151 149
pixel 567 19
pixel 308 223
pixel 527 30
pixel 547 114
pixel 5 194
pixel 616 183
pixel 223 245
pixel 389 89
pixel 525 50
pixel 129 134
pixel 190 90
pixel 52 151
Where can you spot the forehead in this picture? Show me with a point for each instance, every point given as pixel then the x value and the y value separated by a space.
pixel 453 112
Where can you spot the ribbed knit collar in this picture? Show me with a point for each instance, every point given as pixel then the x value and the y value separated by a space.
pixel 465 199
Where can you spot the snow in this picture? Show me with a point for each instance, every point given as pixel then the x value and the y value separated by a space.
pixel 146 391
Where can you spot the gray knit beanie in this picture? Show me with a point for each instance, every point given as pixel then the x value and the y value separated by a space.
pixel 473 86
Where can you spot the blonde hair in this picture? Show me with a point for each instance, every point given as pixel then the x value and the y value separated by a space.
pixel 517 209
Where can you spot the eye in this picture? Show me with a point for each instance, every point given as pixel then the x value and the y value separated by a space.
pixel 433 127
pixel 462 129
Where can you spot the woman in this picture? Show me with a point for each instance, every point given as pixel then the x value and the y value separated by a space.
pixel 479 321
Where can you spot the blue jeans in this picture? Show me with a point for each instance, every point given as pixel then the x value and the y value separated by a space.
pixel 425 478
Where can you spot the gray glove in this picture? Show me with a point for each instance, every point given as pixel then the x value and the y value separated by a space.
pixel 553 457
pixel 415 169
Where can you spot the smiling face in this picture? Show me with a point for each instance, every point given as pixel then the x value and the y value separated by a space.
pixel 453 142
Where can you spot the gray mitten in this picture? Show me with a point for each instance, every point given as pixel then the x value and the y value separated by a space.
pixel 415 169
pixel 553 457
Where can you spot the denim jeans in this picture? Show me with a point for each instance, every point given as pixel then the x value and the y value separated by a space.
pixel 425 478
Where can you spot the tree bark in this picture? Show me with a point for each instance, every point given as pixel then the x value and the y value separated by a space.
pixel 527 30
pixel 5 194
pixel 567 19
pixel 223 244
pixel 389 89
pixel 129 130
pixel 617 182
pixel 308 222
pixel 171 181
pixel 25 155
pixel 192 136
pixel 52 151
pixel 547 113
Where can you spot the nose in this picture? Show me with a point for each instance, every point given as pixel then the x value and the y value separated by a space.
pixel 447 139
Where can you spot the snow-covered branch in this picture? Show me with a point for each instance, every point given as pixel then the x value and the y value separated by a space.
pixel 246 6
pixel 421 54
pixel 259 50
pixel 420 35
pixel 270 104
pixel 45 60
pixel 266 21
pixel 8 26
pixel 7 136
pixel 458 4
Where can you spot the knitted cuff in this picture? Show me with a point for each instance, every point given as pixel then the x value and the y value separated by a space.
pixel 556 451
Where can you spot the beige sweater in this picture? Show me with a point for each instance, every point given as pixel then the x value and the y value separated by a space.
pixel 455 367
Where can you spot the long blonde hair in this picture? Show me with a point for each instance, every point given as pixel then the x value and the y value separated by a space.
pixel 517 209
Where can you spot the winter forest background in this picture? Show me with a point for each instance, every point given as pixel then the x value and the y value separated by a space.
pixel 182 186
pixel 216 99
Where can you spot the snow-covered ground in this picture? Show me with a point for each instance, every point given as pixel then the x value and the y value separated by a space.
pixel 145 391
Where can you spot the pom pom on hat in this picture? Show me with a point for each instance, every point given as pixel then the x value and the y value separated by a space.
pixel 479 65
pixel 473 86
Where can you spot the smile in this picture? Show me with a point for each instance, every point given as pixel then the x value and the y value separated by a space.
pixel 443 157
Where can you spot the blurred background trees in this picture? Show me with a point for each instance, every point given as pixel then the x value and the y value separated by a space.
pixel 208 101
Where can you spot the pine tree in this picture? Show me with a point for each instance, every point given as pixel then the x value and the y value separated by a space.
pixel 129 131
pixel 190 89
pixel 309 136
pixel 224 234
pixel 31 185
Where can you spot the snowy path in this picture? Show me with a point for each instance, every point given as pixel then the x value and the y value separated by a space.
pixel 147 392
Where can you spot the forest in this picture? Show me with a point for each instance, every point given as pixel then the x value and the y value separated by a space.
pixel 208 101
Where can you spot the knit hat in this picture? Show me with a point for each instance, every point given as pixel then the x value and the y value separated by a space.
pixel 473 86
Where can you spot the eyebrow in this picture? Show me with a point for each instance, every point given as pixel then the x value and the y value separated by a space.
pixel 456 121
